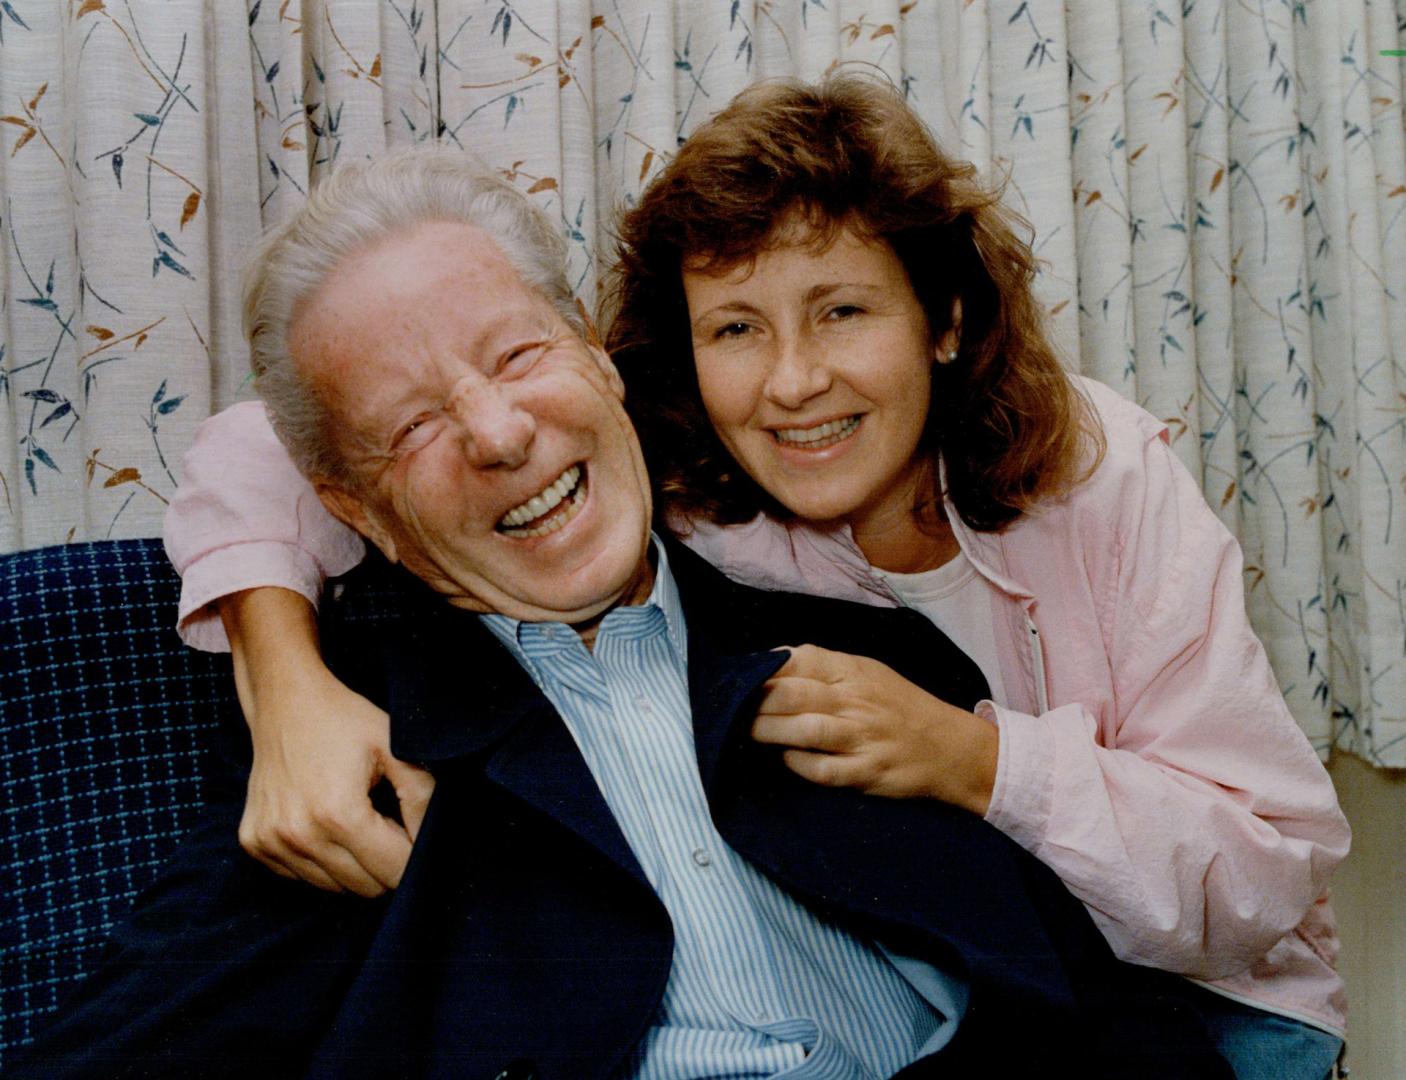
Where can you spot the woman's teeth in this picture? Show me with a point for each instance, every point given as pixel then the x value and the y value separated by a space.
pixel 527 519
pixel 820 436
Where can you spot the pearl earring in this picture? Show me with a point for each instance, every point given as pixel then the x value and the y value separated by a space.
pixel 948 357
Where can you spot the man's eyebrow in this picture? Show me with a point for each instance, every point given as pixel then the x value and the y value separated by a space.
pixel 514 323
pixel 383 418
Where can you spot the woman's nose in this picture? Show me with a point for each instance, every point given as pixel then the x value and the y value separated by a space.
pixel 497 430
pixel 798 373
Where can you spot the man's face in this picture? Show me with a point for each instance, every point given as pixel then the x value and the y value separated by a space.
pixel 496 460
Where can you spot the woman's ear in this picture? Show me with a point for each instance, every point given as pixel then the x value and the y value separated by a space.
pixel 948 344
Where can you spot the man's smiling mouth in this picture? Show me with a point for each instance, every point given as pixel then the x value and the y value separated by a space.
pixel 550 509
pixel 820 436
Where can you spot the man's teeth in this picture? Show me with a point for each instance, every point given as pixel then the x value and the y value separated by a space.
pixel 820 436
pixel 541 504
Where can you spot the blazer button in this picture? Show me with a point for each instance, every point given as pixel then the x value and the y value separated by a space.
pixel 521 1069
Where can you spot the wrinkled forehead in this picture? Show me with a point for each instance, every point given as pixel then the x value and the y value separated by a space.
pixel 439 285
pixel 454 265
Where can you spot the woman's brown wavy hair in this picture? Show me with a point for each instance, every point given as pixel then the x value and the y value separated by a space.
pixel 1009 424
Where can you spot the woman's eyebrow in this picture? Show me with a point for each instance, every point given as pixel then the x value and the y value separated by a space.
pixel 815 292
pixel 824 289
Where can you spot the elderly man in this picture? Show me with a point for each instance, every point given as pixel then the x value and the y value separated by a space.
pixel 612 879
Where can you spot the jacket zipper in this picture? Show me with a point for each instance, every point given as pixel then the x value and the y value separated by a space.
pixel 1037 657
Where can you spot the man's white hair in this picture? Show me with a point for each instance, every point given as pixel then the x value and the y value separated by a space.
pixel 360 205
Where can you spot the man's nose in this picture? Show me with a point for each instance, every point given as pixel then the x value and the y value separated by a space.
pixel 799 371
pixel 496 430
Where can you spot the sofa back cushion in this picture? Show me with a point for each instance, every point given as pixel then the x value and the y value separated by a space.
pixel 106 723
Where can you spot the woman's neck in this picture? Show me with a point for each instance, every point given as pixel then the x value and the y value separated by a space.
pixel 906 543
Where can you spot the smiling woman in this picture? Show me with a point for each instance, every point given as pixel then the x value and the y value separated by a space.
pixel 848 177
pixel 814 369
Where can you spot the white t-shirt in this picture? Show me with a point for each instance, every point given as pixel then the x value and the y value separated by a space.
pixel 958 601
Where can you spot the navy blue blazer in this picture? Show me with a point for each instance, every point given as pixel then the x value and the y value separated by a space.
pixel 524 939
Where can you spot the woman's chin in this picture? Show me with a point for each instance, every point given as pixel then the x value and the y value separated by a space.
pixel 817 507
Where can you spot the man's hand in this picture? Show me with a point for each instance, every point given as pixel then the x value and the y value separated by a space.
pixel 850 721
pixel 319 749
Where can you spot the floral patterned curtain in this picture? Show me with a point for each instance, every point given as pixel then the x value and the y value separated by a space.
pixel 1217 189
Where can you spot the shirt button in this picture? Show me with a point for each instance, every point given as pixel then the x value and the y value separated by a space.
pixel 701 857
pixel 643 703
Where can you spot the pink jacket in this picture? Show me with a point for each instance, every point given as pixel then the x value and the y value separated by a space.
pixel 1146 753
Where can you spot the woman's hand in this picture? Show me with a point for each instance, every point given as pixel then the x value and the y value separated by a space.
pixel 319 749
pixel 849 721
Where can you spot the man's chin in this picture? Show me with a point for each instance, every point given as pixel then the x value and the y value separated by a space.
pixel 569 601
pixel 529 611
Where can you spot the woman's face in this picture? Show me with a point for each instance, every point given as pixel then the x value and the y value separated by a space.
pixel 814 368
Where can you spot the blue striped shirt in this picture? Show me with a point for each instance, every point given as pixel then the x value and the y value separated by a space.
pixel 759 987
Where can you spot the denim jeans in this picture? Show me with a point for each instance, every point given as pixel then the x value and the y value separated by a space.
pixel 1264 1046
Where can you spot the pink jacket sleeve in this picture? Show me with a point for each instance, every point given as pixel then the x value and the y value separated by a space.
pixel 1181 803
pixel 244 517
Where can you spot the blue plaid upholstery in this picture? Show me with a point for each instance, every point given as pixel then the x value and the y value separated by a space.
pixel 107 723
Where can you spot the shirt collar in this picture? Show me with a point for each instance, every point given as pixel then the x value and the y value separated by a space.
pixel 665 596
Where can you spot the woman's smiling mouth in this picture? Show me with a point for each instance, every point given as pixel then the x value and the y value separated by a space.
pixel 820 436
pixel 550 509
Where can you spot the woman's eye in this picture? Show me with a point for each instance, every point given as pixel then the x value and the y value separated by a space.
pixel 840 312
pixel 731 330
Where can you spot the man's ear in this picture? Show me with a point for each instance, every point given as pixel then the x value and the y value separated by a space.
pixel 592 334
pixel 608 369
pixel 352 512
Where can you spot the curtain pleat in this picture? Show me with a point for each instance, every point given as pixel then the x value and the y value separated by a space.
pixel 1217 191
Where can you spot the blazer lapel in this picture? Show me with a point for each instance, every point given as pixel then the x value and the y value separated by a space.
pixel 724 692
pixel 456 693
pixel 540 763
